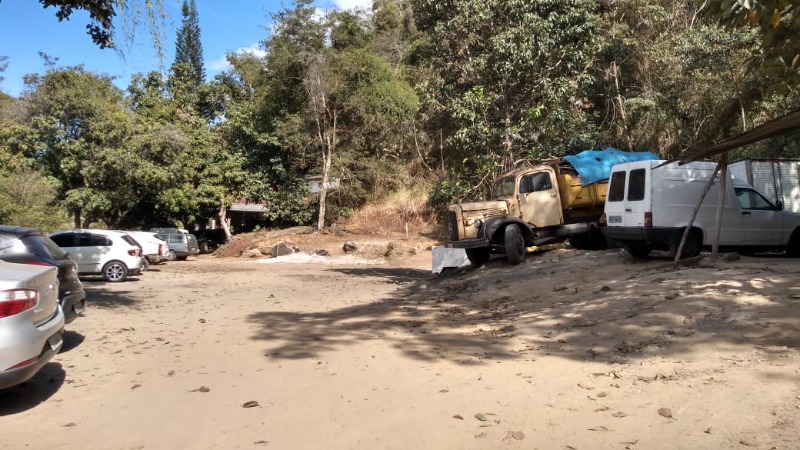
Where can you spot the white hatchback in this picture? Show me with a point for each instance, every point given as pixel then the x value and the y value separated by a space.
pixel 112 254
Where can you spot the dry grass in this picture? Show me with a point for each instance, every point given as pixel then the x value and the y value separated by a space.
pixel 393 212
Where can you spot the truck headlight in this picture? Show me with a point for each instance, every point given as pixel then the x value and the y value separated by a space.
pixel 478 223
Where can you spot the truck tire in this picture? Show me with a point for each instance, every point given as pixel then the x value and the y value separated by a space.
pixel 515 245
pixel 638 250
pixel 478 256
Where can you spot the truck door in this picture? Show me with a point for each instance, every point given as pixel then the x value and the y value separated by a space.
pixel 762 222
pixel 539 200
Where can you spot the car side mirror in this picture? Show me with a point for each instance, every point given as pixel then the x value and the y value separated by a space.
pixel 779 205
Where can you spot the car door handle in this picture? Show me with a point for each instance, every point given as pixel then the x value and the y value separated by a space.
pixel 746 213
pixel 628 210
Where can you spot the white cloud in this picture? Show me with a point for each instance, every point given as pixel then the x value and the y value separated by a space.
pixel 350 4
pixel 221 64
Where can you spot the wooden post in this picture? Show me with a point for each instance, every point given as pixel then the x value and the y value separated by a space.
pixel 694 215
pixel 723 176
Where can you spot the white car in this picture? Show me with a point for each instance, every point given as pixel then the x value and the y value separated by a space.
pixel 31 321
pixel 155 250
pixel 112 254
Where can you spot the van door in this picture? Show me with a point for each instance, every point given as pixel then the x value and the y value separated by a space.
pixel 539 200
pixel 615 200
pixel 637 198
pixel 762 222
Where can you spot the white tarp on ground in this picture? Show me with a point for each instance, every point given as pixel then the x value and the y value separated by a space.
pixel 444 258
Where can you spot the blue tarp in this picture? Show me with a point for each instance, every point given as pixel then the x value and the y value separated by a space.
pixel 595 165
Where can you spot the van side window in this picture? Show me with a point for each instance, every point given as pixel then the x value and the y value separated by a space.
pixel 616 189
pixel 750 199
pixel 636 185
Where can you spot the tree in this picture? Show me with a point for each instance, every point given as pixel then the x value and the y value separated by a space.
pixel 507 79
pixel 102 13
pixel 776 21
pixel 189 48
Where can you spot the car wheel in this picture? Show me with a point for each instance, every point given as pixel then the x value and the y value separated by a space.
pixel 115 271
pixel 181 258
pixel 793 249
pixel 171 256
pixel 515 245
pixel 638 250
pixel 478 256
pixel 145 265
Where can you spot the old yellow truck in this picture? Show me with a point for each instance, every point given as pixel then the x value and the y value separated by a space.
pixel 549 202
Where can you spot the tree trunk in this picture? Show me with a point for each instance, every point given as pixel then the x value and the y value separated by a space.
pixel 323 189
pixel 694 215
pixel 723 176
pixel 77 218
pixel 222 220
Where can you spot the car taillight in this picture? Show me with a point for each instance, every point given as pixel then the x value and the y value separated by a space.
pixel 37 263
pixel 648 220
pixel 15 301
pixel 134 252
pixel 160 249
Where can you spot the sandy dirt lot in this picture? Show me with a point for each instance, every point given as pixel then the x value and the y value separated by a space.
pixel 570 350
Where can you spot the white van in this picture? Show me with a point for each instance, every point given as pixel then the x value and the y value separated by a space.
pixel 648 208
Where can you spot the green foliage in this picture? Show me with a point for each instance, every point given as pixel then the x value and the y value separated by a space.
pixel 777 23
pixel 28 199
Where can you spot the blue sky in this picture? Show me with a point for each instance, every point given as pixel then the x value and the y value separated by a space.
pixel 26 28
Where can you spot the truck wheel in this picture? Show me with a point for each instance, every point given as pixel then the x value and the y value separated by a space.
pixel 515 245
pixel 478 256
pixel 638 250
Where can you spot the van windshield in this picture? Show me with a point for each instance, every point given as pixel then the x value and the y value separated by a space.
pixel 504 187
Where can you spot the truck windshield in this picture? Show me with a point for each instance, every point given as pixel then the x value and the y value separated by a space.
pixel 504 187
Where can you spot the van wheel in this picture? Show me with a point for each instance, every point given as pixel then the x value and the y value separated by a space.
pixel 115 271
pixel 638 250
pixel 692 246
pixel 515 245
pixel 171 256
pixel 478 256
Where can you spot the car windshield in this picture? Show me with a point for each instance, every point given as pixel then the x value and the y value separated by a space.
pixel 504 187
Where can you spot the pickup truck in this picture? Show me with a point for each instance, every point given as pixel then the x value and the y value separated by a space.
pixel 549 202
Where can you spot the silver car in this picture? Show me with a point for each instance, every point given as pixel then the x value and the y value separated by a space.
pixel 31 321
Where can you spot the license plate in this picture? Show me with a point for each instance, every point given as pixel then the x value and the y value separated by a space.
pixel 55 341
pixel 614 219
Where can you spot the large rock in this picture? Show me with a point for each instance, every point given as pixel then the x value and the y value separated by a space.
pixel 350 247
pixel 282 249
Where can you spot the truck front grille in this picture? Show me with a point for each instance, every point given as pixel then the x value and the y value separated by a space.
pixel 452 225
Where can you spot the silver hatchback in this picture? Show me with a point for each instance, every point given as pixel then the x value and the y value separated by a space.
pixel 31 321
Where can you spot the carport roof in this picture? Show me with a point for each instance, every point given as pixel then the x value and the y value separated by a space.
pixel 776 127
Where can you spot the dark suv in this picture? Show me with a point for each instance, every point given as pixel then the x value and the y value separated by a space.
pixel 31 246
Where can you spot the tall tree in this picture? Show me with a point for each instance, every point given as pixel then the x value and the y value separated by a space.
pixel 189 48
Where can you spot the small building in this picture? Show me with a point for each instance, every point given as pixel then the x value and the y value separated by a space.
pixel 245 216
pixel 315 183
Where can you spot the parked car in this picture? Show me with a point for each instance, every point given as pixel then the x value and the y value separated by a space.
pixel 154 249
pixel 181 245
pixel 32 246
pixel 112 254
pixel 31 321
pixel 648 208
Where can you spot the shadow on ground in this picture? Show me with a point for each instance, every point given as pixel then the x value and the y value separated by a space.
pixel 72 339
pixel 557 304
pixel 35 391
pixel 100 295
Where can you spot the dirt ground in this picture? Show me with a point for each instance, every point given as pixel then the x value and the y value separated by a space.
pixel 569 350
